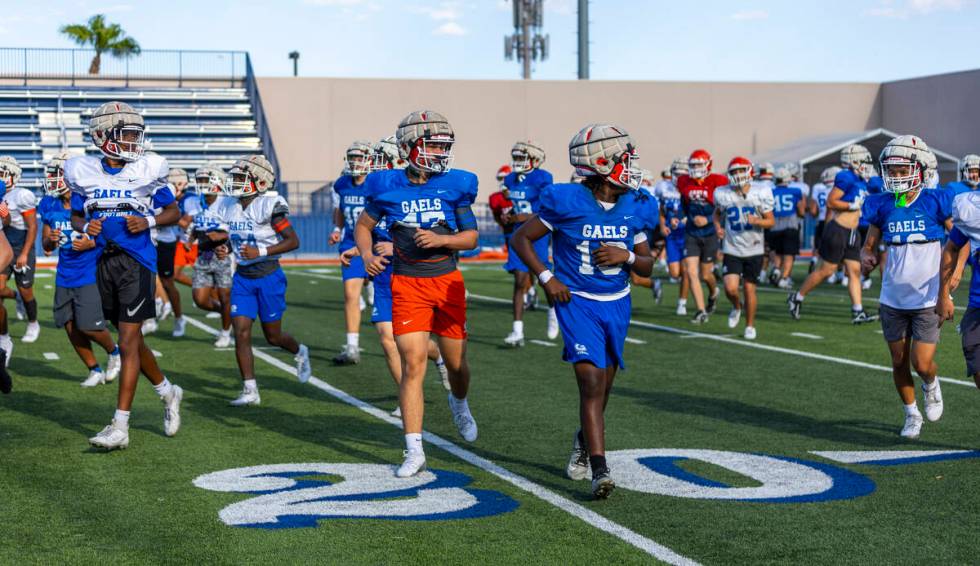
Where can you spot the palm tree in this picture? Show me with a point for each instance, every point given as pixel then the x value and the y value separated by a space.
pixel 101 38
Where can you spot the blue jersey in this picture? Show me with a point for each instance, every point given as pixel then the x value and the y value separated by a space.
pixel 351 200
pixel 580 225
pixel 851 184
pixel 441 204
pixel 786 199
pixel 876 185
pixel 959 187
pixel 961 239
pixel 75 269
pixel 919 222
pixel 524 189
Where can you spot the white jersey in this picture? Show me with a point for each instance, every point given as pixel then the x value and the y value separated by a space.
pixel 251 225
pixel 741 238
pixel 819 194
pixel 19 201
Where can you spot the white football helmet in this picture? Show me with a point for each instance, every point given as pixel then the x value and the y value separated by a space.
pixel 177 175
pixel 250 176
pixel 118 131
pixel 357 158
pixel 425 141
pixel 828 175
pixel 525 156
pixel 783 175
pixel 858 159
pixel 677 168
pixel 606 151
pixel 210 179
pixel 9 171
pixel 970 170
pixel 766 171
pixel 54 175
pixel 904 163
pixel 386 155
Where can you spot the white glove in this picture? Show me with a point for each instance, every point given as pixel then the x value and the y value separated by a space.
pixel 856 205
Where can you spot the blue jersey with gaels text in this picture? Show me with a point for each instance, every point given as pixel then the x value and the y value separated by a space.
pixel 524 189
pixel 351 202
pixel 919 222
pixel 75 269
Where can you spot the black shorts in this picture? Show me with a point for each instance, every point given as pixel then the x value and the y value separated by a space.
pixel 166 252
pixel 127 287
pixel 817 235
pixel 863 230
pixel 785 242
pixel 838 243
pixel 23 279
pixel 81 305
pixel 748 267
pixel 970 337
pixel 703 247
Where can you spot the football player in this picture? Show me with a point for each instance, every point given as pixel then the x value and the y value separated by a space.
pixel 77 304
pixel 167 237
pixel 113 200
pixel 841 240
pixel 784 236
pixel 743 209
pixel 191 203
pixel 255 225
pixel 19 215
pixel 766 173
pixel 600 236
pixel 697 190
pixel 349 191
pixel 501 206
pixel 963 238
pixel 6 256
pixel 672 226
pixel 524 185
pixel 427 208
pixel 912 221
pixel 818 209
pixel 211 285
pixel 969 175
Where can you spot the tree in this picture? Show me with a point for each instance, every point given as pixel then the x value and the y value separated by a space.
pixel 101 37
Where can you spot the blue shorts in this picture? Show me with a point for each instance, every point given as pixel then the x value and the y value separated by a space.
pixel 541 248
pixel 594 331
pixel 355 270
pixel 264 297
pixel 675 247
pixel 381 312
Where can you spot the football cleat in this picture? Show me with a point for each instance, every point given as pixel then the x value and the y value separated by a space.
pixel 750 333
pixel 761 279
pixel 934 401
pixel 843 281
pixel 658 291
pixel 361 305
pixel 785 283
pixel 774 277
pixel 681 309
pixel 149 326
pixel 700 317
pixel 444 375
pixel 413 464
pixel 113 368
pixel 7 345
pixel 578 462
pixel 180 326
pixel 213 315
pixel 165 311
pixel 832 279
pixel 397 413
pixel 223 341
pixel 515 340
pixel 303 368
pixel 171 411
pixel 6 384
pixel 463 419
pixel 795 305
pixel 348 356
pixel 866 283
pixel 733 317
pixel 861 317
pixel 111 438
pixel 95 377
pixel 32 332
pixel 246 398
pixel 21 311
pixel 712 301
pixel 602 484
pixel 552 324
pixel 913 426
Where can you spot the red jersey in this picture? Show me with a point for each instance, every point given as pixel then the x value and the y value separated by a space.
pixel 698 199
pixel 502 205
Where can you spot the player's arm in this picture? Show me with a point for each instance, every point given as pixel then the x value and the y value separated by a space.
pixel 6 252
pixel 662 221
pixel 961 259
pixel 955 247
pixel 719 223
pixel 466 238
pixel 136 223
pixel 869 252
pixel 766 221
pixel 373 264
pixel 834 201
pixel 521 242
pixel 814 207
pixel 49 239
pixel 801 206
pixel 30 221
pixel 338 222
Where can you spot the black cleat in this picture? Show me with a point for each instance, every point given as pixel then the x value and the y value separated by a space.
pixel 712 302
pixel 602 484
pixel 700 318
pixel 861 317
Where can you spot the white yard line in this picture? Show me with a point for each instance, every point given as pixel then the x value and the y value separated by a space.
pixel 805 335
pixel 634 341
pixel 543 343
pixel 51 356
pixel 576 510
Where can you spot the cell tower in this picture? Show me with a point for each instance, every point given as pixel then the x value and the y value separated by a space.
pixel 527 42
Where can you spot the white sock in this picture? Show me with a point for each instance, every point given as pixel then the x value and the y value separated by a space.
pixel 799 297
pixel 519 327
pixel 353 339
pixel 121 418
pixel 912 409
pixel 857 308
pixel 551 312
pixel 440 362
pixel 682 302
pixel 251 385
pixel 413 443
pixel 4 337
pixel 226 332
pixel 164 388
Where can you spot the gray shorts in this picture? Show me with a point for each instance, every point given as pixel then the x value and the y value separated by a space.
pixel 921 325
pixel 83 305
pixel 970 336
pixel 215 273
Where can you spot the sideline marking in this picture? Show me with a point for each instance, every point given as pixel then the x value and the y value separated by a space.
pixel 576 510
pixel 51 356
pixel 634 341
pixel 543 343
pixel 805 335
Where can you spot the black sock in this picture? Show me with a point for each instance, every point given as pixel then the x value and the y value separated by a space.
pixel 30 307
pixel 598 464
pixel 581 438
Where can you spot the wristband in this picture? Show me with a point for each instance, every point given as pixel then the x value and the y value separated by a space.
pixel 632 259
pixel 545 276
pixel 336 229
pixel 151 220
pixel 263 251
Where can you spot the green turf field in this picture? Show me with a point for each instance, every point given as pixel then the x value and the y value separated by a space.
pixel 770 405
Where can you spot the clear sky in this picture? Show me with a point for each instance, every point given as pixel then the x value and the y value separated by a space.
pixel 755 40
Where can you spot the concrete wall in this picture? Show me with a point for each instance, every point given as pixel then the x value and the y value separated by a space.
pixel 942 109
pixel 313 119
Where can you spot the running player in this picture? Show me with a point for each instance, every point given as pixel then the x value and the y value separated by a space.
pixel 744 208
pixel 697 190
pixel 818 210
pixel 427 210
pixel 349 190
pixel 600 235
pixel 910 220
pixel 167 237
pixel 191 203
pixel 784 237
pixel 77 304
pixel 964 236
pixel 113 200
pixel 211 285
pixel 969 175
pixel 20 227
pixel 257 231
pixel 6 256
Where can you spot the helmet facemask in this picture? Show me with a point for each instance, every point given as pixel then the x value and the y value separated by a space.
pixel 625 173
pixel 740 175
pixel 698 168
pixel 901 175
pixel 124 142
pixel 432 154
pixel 240 184
pixel 520 161
pixel 208 184
pixel 357 163
pixel 54 182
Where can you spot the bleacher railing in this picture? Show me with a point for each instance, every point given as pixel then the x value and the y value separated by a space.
pixel 261 125
pixel 26 64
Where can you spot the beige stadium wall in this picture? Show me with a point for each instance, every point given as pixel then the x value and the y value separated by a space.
pixel 313 119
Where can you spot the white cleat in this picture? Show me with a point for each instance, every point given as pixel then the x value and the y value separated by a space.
pixel 171 411
pixel 165 311
pixel 397 413
pixel 180 326
pixel 750 333
pixel 866 283
pixel 785 283
pixel 95 377
pixel 302 359
pixel 913 426
pixel 681 309
pixel 514 340
pixel 413 464
pixel 111 438
pixel 32 332
pixel 223 341
pixel 7 345
pixel 934 401
pixel 463 419
pixel 832 279
pixel 213 315
pixel 158 307
pixel 246 398
pixel 361 304
pixel 552 324
pixel 578 462
pixel 843 281
pixel 113 368
pixel 734 316
pixel 149 326
pixel 444 374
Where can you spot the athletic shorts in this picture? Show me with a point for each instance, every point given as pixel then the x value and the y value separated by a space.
pixel 381 310
pixel 817 234
pixel 703 247
pixel 24 279
pixel 748 267
pixel 83 305
pixel 675 248
pixel 594 331
pixel 541 248
pixel 970 337
pixel 263 297
pixel 863 230
pixel 429 304
pixel 785 242
pixel 838 243
pixel 921 325
pixel 185 257
pixel 215 274
pixel 166 254
pixel 127 288
pixel 355 270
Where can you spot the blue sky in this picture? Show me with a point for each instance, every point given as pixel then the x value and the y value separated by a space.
pixel 755 40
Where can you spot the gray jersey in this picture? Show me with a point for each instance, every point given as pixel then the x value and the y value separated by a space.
pixel 741 238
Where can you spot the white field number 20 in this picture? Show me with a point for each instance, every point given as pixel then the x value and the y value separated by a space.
pixel 587 268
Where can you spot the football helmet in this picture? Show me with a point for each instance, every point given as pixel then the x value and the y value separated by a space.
pixel 525 156
pixel 357 158
pixel 177 175
pixel 118 131
pixel 250 176
pixel 783 175
pixel 210 179
pixel 386 155
pixel 740 171
pixel 857 158
pixel 9 171
pixel 828 175
pixel 606 151
pixel 502 173
pixel 970 170
pixel 766 171
pixel 665 174
pixel 425 141
pixel 54 175
pixel 699 164
pixel 677 168
pixel 904 163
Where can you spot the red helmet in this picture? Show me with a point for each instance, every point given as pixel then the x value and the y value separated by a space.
pixel 740 171
pixel 699 164
pixel 503 172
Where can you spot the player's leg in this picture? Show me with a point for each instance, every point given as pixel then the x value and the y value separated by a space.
pixel 692 271
pixel 25 286
pixel 730 282
pixel 6 343
pixel 166 256
pixel 83 348
pixel 521 283
pixel 81 308
pixel 435 356
pixel 271 298
pixel 751 304
pixel 853 270
pixel 353 277
pixel 925 337
pixel 449 324
pixel 245 305
pixel 708 276
pixel 387 338
pixel 896 330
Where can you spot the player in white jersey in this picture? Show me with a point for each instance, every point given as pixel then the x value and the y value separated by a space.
pixel 743 209
pixel 817 207
pixel 19 215
pixel 167 242
pixel 117 199
pixel 256 224
pixel 211 284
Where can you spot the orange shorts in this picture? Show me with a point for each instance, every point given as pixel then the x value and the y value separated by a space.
pixel 429 304
pixel 183 257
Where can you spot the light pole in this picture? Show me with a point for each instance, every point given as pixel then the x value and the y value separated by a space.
pixel 294 55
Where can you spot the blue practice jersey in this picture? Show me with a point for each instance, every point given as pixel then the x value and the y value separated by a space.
pixel 580 225
pixel 786 198
pixel 961 239
pixel 524 189
pixel 959 187
pixel 351 200
pixel 919 222
pixel 75 269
